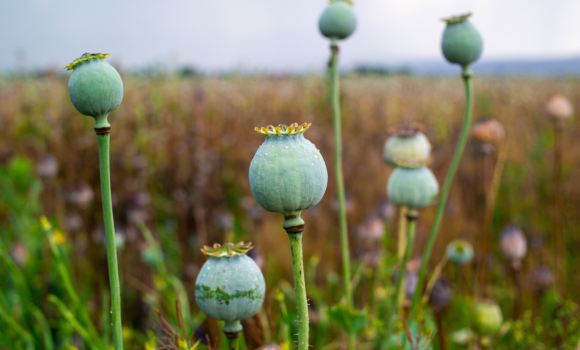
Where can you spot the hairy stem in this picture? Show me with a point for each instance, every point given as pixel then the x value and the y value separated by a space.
pixel 335 90
pixel 446 187
pixel 104 165
pixel 300 289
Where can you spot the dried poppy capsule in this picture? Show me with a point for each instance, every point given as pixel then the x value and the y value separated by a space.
pixel 287 174
pixel 441 293
pixel 408 144
pixel 462 44
pixel 459 251
pixel 542 278
pixel 559 107
pixel 513 244
pixel 412 187
pixel 487 130
pixel 230 286
pixel 338 20
pixel 95 87
pixel 488 317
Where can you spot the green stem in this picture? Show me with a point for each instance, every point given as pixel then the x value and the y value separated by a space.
pixel 339 178
pixel 104 165
pixel 466 75
pixel 411 220
pixel 300 288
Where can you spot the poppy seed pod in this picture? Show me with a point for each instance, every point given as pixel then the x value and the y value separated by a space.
pixel 487 130
pixel 542 278
pixel 441 293
pixel 230 286
pixel 95 87
pixel 559 107
pixel 338 20
pixel 459 251
pixel 287 174
pixel 488 317
pixel 462 43
pixel 412 187
pixel 513 243
pixel 407 145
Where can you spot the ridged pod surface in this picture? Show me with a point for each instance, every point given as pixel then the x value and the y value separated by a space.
pixel 412 187
pixel 462 43
pixel 338 20
pixel 287 174
pixel 488 318
pixel 230 289
pixel 95 87
pixel 414 149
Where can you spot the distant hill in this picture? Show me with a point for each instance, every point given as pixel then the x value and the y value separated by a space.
pixel 540 68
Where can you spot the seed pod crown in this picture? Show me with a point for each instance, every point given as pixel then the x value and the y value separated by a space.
pixel 287 173
pixel 95 87
pixel 462 43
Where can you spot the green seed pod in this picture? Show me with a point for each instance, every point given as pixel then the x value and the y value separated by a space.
pixel 488 318
pixel 408 145
pixel 95 87
pixel 338 20
pixel 230 286
pixel 459 251
pixel 412 187
pixel 462 43
pixel 287 174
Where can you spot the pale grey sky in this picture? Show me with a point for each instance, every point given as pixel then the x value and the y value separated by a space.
pixel 272 35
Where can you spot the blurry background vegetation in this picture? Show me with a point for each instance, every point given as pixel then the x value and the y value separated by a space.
pixel 180 153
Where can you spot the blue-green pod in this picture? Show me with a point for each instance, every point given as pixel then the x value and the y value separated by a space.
pixel 95 87
pixel 412 187
pixel 287 174
pixel 488 318
pixel 462 43
pixel 230 286
pixel 459 251
pixel 338 20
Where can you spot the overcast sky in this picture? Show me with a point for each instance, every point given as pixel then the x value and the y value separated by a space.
pixel 272 35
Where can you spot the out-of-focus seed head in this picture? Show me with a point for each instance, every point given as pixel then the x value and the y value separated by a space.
pixel 459 251
pixel 542 278
pixel 488 318
pixel 47 167
pixel 559 107
pixel 412 187
pixel 270 346
pixel 513 244
pixel 386 210
pixel 488 130
pixel 372 229
pixel 81 194
pixel 407 145
pixel 441 293
pixel 338 20
pixel 462 44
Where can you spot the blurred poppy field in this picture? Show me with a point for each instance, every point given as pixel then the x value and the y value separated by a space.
pixel 181 148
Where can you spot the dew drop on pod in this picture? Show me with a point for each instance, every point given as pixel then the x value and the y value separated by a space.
pixel 408 143
pixel 462 44
pixel 287 176
pixel 338 20
pixel 95 87
pixel 230 286
pixel 488 318
pixel 459 251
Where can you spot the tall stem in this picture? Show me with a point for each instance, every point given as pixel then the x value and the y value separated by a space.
pixel 299 288
pixel 411 220
pixel 466 75
pixel 104 165
pixel 335 90
pixel 558 232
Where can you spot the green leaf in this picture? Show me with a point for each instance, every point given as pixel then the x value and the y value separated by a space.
pixel 351 321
